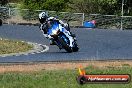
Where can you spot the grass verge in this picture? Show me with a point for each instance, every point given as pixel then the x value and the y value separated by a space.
pixel 60 78
pixel 13 46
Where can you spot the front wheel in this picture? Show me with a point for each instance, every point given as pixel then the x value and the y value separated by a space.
pixel 65 45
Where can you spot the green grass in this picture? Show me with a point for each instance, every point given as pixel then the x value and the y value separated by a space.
pixel 13 46
pixel 59 78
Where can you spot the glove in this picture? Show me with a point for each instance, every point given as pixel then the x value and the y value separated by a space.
pixel 65 25
pixel 47 36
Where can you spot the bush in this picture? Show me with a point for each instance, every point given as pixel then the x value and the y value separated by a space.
pixel 54 5
pixel 26 14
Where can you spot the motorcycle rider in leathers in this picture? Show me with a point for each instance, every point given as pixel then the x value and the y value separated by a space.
pixel 46 21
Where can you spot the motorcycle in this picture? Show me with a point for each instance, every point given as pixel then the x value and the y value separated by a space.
pixel 63 38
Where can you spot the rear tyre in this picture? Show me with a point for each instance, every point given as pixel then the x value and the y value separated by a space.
pixel 75 48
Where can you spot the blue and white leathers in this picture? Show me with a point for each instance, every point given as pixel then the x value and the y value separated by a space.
pixel 55 27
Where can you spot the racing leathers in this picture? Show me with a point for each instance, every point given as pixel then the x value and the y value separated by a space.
pixel 44 27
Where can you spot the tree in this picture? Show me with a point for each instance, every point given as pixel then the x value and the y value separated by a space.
pixel 85 6
pixel 127 6
pixel 3 2
pixel 93 6
pixel 108 7
pixel 14 1
pixel 55 5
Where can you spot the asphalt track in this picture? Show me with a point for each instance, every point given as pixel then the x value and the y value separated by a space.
pixel 95 44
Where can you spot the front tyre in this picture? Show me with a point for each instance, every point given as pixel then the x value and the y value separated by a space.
pixel 64 45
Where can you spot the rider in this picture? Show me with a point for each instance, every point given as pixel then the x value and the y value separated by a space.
pixel 45 21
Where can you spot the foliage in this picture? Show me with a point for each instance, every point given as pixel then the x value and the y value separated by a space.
pixel 14 1
pixel 93 6
pixel 127 6
pixel 111 7
pixel 4 13
pixel 54 5
pixel 26 14
pixel 3 2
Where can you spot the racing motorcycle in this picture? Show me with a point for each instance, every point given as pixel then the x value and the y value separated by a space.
pixel 63 38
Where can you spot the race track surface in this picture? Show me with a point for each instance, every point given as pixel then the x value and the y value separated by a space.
pixel 94 44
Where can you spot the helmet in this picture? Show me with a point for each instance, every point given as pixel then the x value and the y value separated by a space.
pixel 43 17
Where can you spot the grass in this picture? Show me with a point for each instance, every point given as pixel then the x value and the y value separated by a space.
pixel 13 46
pixel 59 78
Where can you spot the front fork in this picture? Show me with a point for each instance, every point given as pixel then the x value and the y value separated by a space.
pixel 68 34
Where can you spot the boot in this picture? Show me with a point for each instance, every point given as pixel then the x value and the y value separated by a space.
pixel 52 42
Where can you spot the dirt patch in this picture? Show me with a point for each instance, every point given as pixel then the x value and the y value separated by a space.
pixel 61 65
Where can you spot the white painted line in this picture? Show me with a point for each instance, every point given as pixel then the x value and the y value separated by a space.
pixel 46 48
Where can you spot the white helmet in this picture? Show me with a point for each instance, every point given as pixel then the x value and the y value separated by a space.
pixel 43 17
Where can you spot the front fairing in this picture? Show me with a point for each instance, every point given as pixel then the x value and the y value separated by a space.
pixel 54 27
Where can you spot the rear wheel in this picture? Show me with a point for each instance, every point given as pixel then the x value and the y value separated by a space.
pixel 75 48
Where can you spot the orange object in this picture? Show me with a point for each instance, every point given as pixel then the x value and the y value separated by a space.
pixel 81 71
